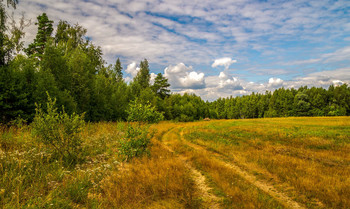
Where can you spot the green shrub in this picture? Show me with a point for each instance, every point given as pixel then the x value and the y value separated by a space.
pixel 135 142
pixel 58 130
pixel 143 113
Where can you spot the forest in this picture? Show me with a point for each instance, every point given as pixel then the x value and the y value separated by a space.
pixel 67 66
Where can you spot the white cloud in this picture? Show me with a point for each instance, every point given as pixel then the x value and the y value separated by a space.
pixel 337 82
pixel 132 69
pixel 225 61
pixel 336 56
pixel 321 79
pixel 147 29
pixel 180 76
pixel 225 85
pixel 168 32
pixel 275 82
pixel 263 71
pixel 153 77
pixel 193 80
pixel 303 62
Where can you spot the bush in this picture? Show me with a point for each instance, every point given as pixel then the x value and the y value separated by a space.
pixel 58 130
pixel 135 142
pixel 143 113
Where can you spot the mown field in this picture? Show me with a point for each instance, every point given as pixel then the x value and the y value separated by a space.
pixel 253 163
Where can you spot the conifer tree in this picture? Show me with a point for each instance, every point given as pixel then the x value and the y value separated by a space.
pixel 143 77
pixel 160 86
pixel 118 70
pixel 45 29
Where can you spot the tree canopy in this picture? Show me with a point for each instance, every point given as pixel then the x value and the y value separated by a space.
pixel 71 69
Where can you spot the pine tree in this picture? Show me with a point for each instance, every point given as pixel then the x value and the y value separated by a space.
pixel 160 86
pixel 45 29
pixel 118 70
pixel 143 77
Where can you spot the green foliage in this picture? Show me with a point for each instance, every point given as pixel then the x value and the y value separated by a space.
pixel 187 107
pixel 58 130
pixel 284 103
pixel 71 68
pixel 143 76
pixel 70 36
pixel 45 30
pixel 160 86
pixel 135 142
pixel 16 90
pixel 118 71
pixel 143 113
pixel 6 42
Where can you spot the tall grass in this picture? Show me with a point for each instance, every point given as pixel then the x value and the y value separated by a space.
pixel 311 155
pixel 306 158
pixel 32 177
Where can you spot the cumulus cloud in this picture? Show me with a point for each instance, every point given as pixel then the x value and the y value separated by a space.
pixel 275 82
pixel 173 31
pixel 337 82
pixel 169 32
pixel 180 76
pixel 153 77
pixel 227 82
pixel 222 85
pixel 132 69
pixel 225 61
pixel 226 85
pixel 193 80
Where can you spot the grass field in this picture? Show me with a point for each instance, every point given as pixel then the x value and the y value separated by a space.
pixel 253 163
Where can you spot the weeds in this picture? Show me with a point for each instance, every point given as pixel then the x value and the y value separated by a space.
pixel 308 159
pixel 59 131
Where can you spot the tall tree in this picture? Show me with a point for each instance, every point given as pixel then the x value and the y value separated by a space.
pixel 118 70
pixel 5 49
pixel 160 86
pixel 45 29
pixel 301 102
pixel 70 36
pixel 143 76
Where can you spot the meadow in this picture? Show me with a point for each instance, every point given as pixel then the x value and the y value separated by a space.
pixel 252 163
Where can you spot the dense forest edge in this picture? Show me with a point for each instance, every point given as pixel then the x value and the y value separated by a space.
pixel 67 66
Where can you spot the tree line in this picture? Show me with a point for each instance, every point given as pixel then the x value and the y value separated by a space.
pixel 67 66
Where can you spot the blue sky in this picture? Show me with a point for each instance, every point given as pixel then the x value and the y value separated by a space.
pixel 216 48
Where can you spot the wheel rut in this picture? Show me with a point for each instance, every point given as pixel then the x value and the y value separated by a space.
pixel 281 197
pixel 209 199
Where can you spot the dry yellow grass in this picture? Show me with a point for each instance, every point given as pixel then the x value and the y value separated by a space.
pixel 256 163
pixel 308 158
pixel 160 180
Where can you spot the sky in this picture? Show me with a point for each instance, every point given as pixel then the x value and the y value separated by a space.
pixel 215 48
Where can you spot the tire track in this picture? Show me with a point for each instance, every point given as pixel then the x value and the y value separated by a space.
pixel 281 197
pixel 210 200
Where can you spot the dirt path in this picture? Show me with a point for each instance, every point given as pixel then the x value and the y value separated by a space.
pixel 210 200
pixel 283 198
